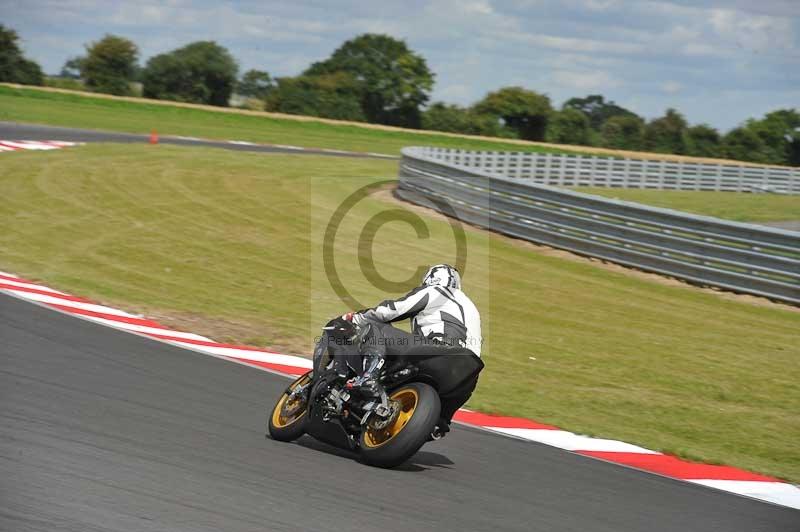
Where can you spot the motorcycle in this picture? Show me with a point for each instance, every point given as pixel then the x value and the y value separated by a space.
pixel 386 429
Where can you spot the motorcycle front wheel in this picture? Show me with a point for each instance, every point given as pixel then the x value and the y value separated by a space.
pixel 419 408
pixel 288 418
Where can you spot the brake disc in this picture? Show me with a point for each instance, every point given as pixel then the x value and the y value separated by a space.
pixel 290 411
pixel 292 407
pixel 379 423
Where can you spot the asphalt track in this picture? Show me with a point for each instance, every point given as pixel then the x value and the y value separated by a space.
pixel 106 430
pixel 18 131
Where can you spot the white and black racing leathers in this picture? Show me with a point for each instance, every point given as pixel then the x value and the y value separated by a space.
pixel 437 313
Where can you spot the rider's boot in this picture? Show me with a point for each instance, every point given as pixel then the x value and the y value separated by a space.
pixel 440 430
pixel 367 383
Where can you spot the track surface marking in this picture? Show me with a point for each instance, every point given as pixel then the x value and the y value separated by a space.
pixel 14 130
pixel 104 430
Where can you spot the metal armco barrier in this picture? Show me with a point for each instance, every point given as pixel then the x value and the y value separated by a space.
pixel 583 171
pixel 708 251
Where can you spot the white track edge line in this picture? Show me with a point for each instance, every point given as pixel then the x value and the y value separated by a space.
pixel 189 347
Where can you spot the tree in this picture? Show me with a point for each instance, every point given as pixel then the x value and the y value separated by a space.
pixel 334 96
pixel 14 67
pixel 744 144
pixel 110 65
pixel 666 134
pixel 623 132
pixel 72 68
pixel 393 82
pixel 200 72
pixel 568 126
pixel 793 151
pixel 455 119
pixel 597 109
pixel 779 132
pixel 29 73
pixel 703 140
pixel 255 84
pixel 444 117
pixel 523 111
pixel 792 138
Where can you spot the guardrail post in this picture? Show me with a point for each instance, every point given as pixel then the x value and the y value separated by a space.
pixel 525 165
pixel 626 172
pixel 562 163
pixel 659 177
pixel 592 170
pixel 662 169
pixel 548 157
pixel 740 185
pixel 637 169
pixel 697 185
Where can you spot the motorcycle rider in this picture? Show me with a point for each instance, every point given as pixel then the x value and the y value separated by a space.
pixel 441 316
pixel 438 310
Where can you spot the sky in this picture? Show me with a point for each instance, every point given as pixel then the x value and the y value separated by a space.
pixel 718 62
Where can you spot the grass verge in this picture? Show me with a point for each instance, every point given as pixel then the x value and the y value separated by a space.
pixel 98 112
pixel 738 207
pixel 223 243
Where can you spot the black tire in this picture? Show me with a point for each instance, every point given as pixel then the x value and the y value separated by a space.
pixel 377 449
pixel 288 429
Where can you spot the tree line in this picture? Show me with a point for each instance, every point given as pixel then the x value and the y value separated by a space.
pixel 378 79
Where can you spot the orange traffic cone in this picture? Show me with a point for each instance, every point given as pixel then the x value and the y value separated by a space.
pixel 154 137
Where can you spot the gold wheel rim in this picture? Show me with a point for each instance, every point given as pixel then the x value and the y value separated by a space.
pixel 408 399
pixel 282 421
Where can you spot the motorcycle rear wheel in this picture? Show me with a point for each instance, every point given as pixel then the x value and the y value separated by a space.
pixel 288 419
pixel 419 412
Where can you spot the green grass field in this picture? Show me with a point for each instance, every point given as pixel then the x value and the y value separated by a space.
pixel 92 112
pixel 228 244
pixel 35 106
pixel 739 207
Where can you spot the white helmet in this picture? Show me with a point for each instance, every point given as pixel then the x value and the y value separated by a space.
pixel 442 275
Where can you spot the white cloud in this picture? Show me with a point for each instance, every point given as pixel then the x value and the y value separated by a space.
pixel 700 48
pixel 600 5
pixel 139 15
pixel 375 25
pixel 477 7
pixel 586 80
pixel 756 33
pixel 666 9
pixel 671 87
pixel 458 18
pixel 699 30
pixel 585 61
pixel 780 8
pixel 576 44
